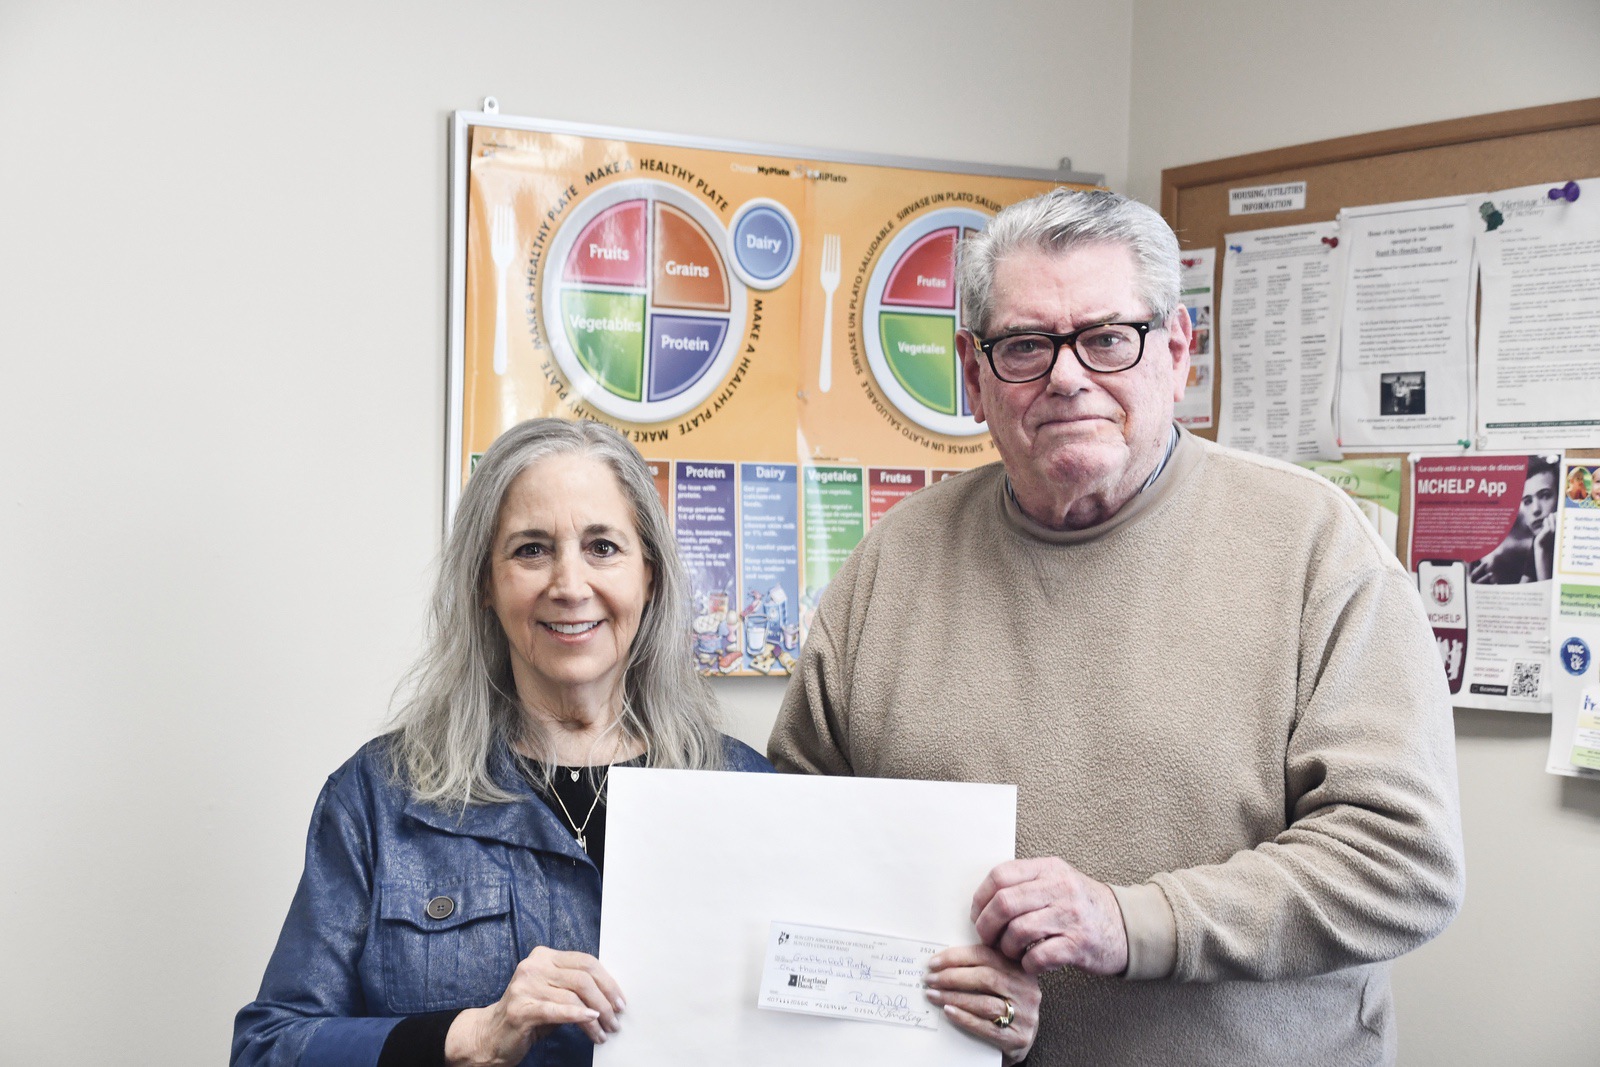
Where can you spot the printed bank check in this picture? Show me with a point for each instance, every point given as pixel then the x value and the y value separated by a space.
pixel 816 970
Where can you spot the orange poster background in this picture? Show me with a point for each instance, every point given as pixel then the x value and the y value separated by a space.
pixel 855 421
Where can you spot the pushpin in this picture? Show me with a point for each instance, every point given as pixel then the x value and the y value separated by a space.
pixel 1464 442
pixel 1236 248
pixel 1331 242
pixel 1567 192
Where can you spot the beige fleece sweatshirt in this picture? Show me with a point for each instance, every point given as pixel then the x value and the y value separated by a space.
pixel 1225 701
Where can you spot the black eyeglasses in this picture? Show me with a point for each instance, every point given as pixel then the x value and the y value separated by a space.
pixel 1106 347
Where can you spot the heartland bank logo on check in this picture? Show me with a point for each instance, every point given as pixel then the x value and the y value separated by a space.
pixel 847 975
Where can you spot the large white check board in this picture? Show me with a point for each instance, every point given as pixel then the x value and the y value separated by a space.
pixel 700 863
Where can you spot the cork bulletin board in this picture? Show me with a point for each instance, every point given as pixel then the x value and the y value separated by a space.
pixel 1553 144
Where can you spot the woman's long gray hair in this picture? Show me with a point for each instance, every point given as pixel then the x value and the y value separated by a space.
pixel 463 702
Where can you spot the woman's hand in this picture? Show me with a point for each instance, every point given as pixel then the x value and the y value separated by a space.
pixel 547 989
pixel 976 987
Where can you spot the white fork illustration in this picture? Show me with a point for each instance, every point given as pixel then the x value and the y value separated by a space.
pixel 830 283
pixel 502 245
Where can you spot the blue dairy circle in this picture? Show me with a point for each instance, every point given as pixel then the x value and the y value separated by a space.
pixel 765 244
pixel 1574 655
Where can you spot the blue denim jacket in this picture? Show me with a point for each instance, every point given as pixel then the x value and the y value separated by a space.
pixel 359 949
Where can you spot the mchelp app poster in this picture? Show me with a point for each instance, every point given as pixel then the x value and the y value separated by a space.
pixel 775 333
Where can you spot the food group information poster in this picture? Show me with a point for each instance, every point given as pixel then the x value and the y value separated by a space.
pixel 776 334
pixel 1483 532
pixel 1575 626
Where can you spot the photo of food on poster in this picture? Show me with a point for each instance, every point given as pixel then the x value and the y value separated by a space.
pixel 1575 625
pixel 1197 289
pixel 1483 533
pixel 776 336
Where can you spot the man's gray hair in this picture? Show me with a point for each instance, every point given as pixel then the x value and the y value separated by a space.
pixel 1063 220
pixel 463 702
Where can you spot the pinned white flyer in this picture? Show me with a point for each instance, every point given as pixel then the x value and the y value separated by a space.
pixel 1405 363
pixel 1197 290
pixel 1280 341
pixel 1575 623
pixel 1539 341
pixel 701 864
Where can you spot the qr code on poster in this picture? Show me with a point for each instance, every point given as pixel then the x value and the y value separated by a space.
pixel 1525 679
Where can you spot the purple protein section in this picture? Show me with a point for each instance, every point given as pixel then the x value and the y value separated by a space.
pixel 681 348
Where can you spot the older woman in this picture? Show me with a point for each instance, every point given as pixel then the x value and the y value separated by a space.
pixel 450 908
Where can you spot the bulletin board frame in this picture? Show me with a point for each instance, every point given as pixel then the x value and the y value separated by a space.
pixel 1501 150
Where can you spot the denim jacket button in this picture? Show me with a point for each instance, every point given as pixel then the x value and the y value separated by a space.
pixel 441 908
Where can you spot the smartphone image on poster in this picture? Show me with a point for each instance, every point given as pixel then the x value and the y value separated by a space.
pixel 1443 585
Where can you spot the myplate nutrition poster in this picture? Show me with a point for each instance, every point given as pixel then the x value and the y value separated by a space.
pixel 773 329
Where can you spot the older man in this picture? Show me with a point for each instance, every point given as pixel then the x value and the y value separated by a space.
pixel 1215 688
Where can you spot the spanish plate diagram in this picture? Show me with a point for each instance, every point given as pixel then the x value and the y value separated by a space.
pixel 642 312
pixel 913 310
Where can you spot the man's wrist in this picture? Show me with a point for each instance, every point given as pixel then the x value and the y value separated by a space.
pixel 1151 930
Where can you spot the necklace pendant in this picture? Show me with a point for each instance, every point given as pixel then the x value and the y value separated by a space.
pixel 574 774
pixel 583 842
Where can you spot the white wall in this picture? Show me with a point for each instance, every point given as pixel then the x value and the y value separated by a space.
pixel 222 277
pixel 1512 981
pixel 1225 77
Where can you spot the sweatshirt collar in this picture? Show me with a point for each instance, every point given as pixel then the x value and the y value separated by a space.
pixel 1183 453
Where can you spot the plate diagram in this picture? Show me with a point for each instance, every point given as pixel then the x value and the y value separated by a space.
pixel 913 310
pixel 640 307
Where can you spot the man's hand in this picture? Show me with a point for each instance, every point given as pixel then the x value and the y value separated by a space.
pixel 1046 914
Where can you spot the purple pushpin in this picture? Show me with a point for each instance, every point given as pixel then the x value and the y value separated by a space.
pixel 1567 192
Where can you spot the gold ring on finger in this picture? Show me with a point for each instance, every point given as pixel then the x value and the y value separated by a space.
pixel 1005 1018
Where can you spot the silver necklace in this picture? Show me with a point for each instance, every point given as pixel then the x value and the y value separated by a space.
pixel 579 831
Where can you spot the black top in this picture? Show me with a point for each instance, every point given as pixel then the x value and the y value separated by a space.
pixel 575 787
pixel 418 1040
